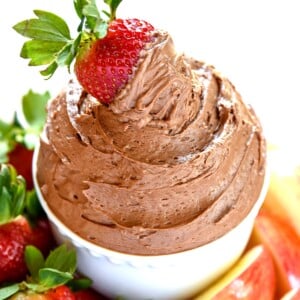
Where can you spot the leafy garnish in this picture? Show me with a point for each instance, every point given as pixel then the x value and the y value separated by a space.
pixel 51 44
pixel 46 274
pixel 12 193
pixel 11 133
pixel 34 109
pixel 15 200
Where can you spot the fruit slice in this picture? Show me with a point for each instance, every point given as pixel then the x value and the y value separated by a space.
pixel 283 197
pixel 292 295
pixel 284 244
pixel 252 277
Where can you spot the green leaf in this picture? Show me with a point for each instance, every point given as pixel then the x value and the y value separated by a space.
pixel 7 141
pixel 49 71
pixel 41 52
pixel 66 55
pixel 100 29
pixel 32 205
pixel 18 192
pixel 78 5
pixel 80 284
pixel 48 27
pixel 62 259
pixel 34 109
pixel 113 4
pixel 34 261
pixel 8 291
pixel 50 37
pixel 12 193
pixel 5 206
pixel 50 278
pixel 91 10
pixel 57 23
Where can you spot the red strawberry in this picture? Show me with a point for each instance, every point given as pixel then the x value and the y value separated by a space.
pixel 41 236
pixel 88 294
pixel 13 239
pixel 60 293
pixel 21 158
pixel 105 67
pixel 49 277
pixel 15 231
pixel 106 50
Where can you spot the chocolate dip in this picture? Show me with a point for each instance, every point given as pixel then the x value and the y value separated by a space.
pixel 176 161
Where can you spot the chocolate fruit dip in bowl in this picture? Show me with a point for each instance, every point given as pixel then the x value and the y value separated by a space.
pixel 159 190
pixel 150 163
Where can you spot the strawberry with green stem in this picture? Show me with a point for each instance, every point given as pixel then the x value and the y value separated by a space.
pixel 15 230
pixel 106 49
pixel 17 140
pixel 52 278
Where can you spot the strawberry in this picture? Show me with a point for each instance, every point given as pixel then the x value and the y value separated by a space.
pixel 13 239
pixel 50 279
pixel 17 142
pixel 105 67
pixel 62 292
pixel 15 230
pixel 88 294
pixel 21 158
pixel 106 49
pixel 41 235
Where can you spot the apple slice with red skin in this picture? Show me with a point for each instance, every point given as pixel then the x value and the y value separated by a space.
pixel 252 277
pixel 283 197
pixel 279 236
pixel 292 295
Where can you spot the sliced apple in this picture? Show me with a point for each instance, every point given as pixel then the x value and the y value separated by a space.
pixel 292 295
pixel 252 278
pixel 281 239
pixel 283 197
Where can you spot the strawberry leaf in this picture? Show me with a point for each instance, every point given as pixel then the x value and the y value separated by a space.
pixel 12 193
pixel 5 205
pixel 62 259
pixel 48 27
pixel 50 37
pixel 41 52
pixel 49 71
pixel 34 261
pixel 9 133
pixel 80 284
pixel 34 109
pixel 113 4
pixel 8 291
pixel 32 205
pixel 51 278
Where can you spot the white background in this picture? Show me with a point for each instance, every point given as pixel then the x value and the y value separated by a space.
pixel 253 42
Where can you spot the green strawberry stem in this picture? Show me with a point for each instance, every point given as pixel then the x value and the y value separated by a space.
pixel 47 273
pixel 50 41
pixel 12 194
pixel 12 133
pixel 15 200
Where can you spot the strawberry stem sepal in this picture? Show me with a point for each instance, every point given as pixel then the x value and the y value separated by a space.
pixel 58 269
pixel 12 193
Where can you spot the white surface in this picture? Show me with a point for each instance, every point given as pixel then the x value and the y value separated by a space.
pixel 253 42
pixel 163 277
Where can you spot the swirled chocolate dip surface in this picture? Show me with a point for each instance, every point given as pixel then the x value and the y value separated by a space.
pixel 176 161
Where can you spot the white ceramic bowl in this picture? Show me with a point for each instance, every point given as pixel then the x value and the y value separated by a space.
pixel 173 276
